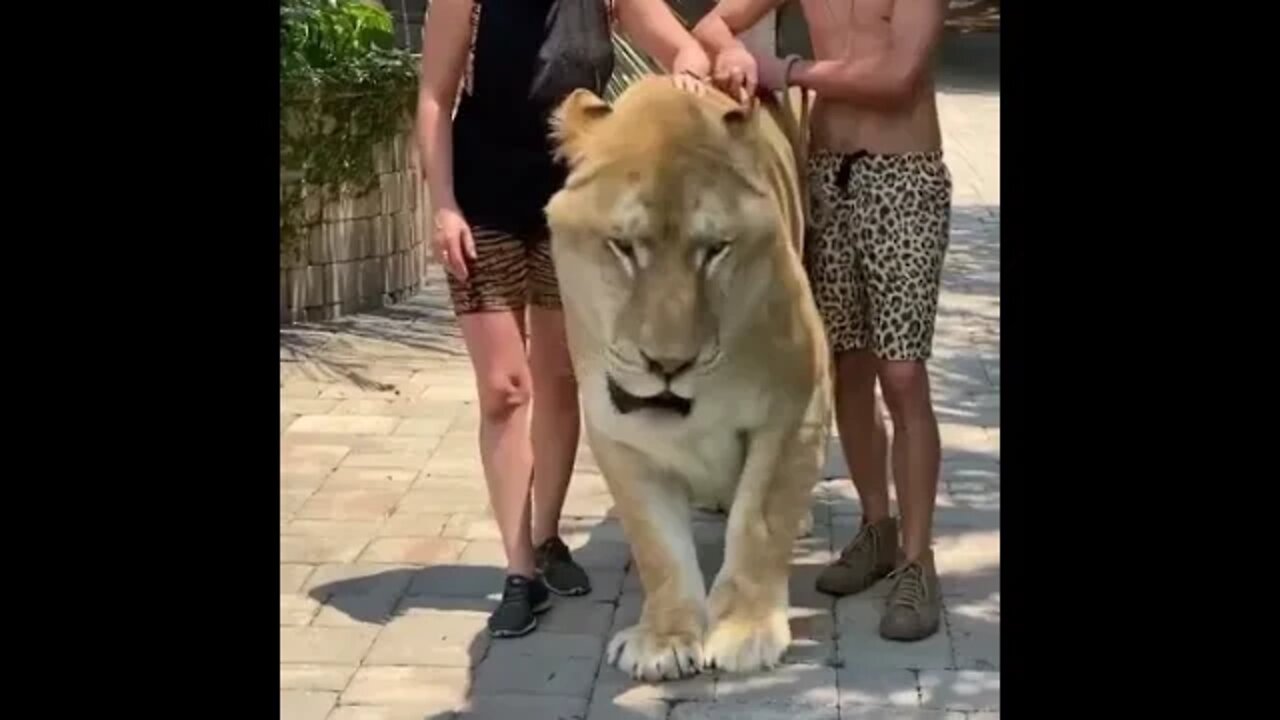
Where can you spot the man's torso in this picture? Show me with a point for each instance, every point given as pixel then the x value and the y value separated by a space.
pixel 859 29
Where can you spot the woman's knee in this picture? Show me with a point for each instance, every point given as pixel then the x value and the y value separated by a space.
pixel 504 392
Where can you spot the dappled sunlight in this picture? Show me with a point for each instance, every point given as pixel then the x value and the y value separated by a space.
pixel 963 690
pixel 967 552
pixel 806 683
pixel 420 331
pixel 986 609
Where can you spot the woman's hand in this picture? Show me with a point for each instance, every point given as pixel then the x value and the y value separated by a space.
pixel 736 73
pixel 692 61
pixel 690 84
pixel 453 243
pixel 690 69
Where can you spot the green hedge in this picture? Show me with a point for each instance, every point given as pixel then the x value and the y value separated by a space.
pixel 344 89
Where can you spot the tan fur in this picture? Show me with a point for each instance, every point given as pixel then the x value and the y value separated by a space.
pixel 669 175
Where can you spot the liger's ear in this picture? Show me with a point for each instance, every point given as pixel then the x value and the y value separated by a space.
pixel 740 119
pixel 573 120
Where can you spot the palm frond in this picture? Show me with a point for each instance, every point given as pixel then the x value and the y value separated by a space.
pixel 630 64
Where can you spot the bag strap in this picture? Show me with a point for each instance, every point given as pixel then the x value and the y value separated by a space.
pixel 802 151
pixel 468 72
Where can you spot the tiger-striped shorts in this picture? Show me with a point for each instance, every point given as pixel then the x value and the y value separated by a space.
pixel 510 271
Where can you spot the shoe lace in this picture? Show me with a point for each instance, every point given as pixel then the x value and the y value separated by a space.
pixel 515 592
pixel 909 588
pixel 866 541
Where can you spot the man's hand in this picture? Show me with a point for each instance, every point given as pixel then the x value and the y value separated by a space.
pixel 887 80
pixel 736 73
pixel 453 242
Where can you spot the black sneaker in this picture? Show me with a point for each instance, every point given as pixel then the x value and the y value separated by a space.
pixel 522 600
pixel 561 574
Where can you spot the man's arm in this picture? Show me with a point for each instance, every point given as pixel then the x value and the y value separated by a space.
pixel 886 80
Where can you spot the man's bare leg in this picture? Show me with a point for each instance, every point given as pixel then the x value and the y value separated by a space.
pixel 870 556
pixel 917 451
pixel 913 608
pixel 862 432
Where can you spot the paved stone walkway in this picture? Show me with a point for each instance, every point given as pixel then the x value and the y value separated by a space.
pixel 389 563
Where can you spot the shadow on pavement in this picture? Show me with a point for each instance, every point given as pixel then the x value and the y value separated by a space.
pixel 339 349
pixel 435 616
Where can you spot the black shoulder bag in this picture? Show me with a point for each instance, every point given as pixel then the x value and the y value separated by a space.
pixel 578 51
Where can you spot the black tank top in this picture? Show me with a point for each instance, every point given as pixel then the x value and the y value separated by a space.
pixel 503 170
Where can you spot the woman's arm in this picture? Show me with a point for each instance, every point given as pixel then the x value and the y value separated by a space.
pixel 736 69
pixel 446 41
pixel 656 30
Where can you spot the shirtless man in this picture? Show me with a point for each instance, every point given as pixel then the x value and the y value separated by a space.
pixel 880 201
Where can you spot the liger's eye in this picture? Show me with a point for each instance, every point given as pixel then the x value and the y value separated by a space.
pixel 625 251
pixel 711 252
pixel 623 247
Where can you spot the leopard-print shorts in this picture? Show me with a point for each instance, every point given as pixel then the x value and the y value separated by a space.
pixel 511 270
pixel 879 234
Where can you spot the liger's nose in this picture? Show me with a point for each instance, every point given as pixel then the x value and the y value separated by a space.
pixel 667 367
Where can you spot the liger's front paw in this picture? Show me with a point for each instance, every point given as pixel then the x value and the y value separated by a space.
pixel 649 656
pixel 741 644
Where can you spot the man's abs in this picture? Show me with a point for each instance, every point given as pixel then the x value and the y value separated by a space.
pixel 841 127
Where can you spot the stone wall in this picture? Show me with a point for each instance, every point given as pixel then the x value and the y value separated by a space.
pixel 367 252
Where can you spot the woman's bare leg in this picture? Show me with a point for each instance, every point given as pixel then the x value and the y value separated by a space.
pixel 495 341
pixel 556 421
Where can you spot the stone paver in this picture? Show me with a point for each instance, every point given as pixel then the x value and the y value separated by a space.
pixel 964 690
pixel 390 562
pixel 306 704
pixel 525 707
pixel 324 678
pixel 438 688
pixel 440 639
pixel 325 645
pixel 506 672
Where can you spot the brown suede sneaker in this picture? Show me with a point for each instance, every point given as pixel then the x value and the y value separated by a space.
pixel 913 609
pixel 869 557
